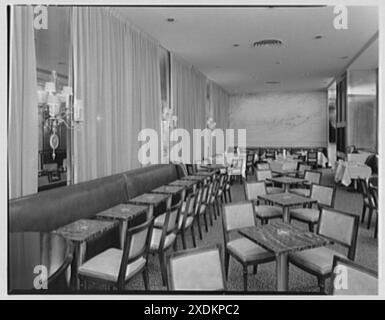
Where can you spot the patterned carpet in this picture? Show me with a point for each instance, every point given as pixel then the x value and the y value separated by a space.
pixel 265 280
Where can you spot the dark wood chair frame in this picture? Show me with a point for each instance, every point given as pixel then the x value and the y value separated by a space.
pixel 368 201
pixel 245 265
pixel 121 283
pixel 319 206
pixel 351 249
pixel 338 260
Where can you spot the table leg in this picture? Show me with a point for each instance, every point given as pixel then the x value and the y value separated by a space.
pixel 286 187
pixel 79 255
pixel 150 212
pixel 282 272
pixel 286 214
pixel 123 230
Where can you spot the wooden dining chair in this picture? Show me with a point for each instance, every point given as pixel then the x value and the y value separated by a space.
pixel 115 267
pixel 236 216
pixel 263 212
pixel 374 197
pixel 198 269
pixel 302 167
pixel 263 166
pixel 264 175
pixel 368 201
pixel 339 227
pixel 203 206
pixel 311 177
pixel 355 279
pixel 325 196
pixel 312 159
pixel 164 239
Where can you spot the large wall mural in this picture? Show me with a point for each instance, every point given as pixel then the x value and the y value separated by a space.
pixel 281 119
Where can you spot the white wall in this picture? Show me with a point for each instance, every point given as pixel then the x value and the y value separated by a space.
pixel 281 119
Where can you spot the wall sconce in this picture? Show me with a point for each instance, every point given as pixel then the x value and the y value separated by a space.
pixel 50 101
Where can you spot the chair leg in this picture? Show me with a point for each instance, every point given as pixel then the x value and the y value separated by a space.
pixel 162 263
pixel 199 227
pixel 210 214
pixel 230 195
pixel 225 195
pixel 311 227
pixel 227 264
pixel 205 219
pixel 245 278
pixel 370 218
pixel 363 213
pixel 183 240
pixel 321 284
pixel 376 227
pixel 255 269
pixel 145 278
pixel 193 236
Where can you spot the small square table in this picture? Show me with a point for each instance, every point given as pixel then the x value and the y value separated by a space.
pixel 287 181
pixel 209 174
pixel 213 167
pixel 79 232
pixel 152 200
pixel 283 172
pixel 281 239
pixel 199 178
pixel 124 213
pixel 286 200
pixel 173 190
pixel 188 184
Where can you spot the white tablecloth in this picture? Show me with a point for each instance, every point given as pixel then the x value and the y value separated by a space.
pixel 278 165
pixel 358 157
pixel 346 171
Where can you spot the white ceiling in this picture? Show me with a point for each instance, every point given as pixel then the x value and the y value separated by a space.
pixel 204 36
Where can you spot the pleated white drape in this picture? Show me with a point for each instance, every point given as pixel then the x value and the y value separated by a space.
pixel 23 109
pixel 116 70
pixel 188 87
pixel 219 106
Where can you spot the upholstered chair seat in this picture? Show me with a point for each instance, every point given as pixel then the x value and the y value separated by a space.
pixel 248 250
pixel 155 239
pixel 159 221
pixel 319 260
pixel 305 214
pixel 269 212
pixel 189 221
pixel 106 266
pixel 301 192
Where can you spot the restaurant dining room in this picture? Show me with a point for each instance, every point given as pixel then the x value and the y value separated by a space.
pixel 230 150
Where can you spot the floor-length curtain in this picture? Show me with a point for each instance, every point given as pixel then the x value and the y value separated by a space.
pixel 23 109
pixel 188 87
pixel 219 105
pixel 116 74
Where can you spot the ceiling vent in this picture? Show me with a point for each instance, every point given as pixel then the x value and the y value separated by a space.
pixel 272 82
pixel 267 43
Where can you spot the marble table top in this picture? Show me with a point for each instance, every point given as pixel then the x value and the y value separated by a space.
pixel 123 211
pixel 281 237
pixel 85 229
pixel 286 199
pixel 169 189
pixel 150 198
pixel 185 183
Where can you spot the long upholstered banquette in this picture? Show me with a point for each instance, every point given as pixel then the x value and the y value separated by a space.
pixel 51 209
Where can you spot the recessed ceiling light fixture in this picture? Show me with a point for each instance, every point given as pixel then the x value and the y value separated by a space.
pixel 344 57
pixel 268 43
pixel 170 20
pixel 272 82
pixel 318 36
pixel 235 45
pixel 278 62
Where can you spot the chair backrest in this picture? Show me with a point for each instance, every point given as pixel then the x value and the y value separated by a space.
pixel 303 167
pixel 136 245
pixel 198 201
pixel 374 197
pixel 313 176
pixel 190 169
pixel 263 166
pixel 312 156
pixel 262 175
pixel 237 215
pixel 270 154
pixel 187 272
pixel 253 189
pixel 340 227
pixel 350 278
pixel 325 195
pixel 250 158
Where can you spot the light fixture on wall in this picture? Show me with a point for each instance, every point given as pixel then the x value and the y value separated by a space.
pixel 54 114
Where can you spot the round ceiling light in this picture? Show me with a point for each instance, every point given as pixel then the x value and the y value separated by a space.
pixel 170 20
pixel 318 36
pixel 235 45
pixel 268 43
pixel 272 82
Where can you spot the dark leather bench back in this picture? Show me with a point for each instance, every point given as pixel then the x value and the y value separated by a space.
pixel 48 210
